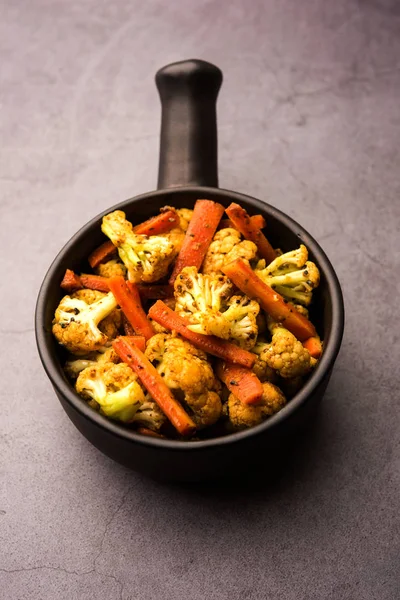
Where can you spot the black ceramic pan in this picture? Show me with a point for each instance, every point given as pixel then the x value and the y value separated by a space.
pixel 188 171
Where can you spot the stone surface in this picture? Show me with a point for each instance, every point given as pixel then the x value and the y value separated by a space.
pixel 308 120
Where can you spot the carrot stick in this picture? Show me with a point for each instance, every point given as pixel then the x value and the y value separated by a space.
pixel 149 433
pixel 95 282
pixel 154 384
pixel 129 300
pixel 243 383
pixel 163 315
pixel 203 224
pixel 251 285
pixel 71 281
pixel 256 221
pixel 243 223
pixel 102 254
pixel 155 292
pixel 138 340
pixel 314 346
pixel 161 223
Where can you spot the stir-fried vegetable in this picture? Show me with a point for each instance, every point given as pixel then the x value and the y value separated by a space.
pixel 190 323
pixel 202 226
pixel 127 296
pixel 166 317
pixel 154 384
pixel 242 221
pixel 251 285
pixel 242 382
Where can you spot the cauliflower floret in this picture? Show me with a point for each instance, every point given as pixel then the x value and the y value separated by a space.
pixel 226 247
pixel 116 391
pixel 285 354
pixel 149 415
pixel 88 296
pixel 73 366
pixel 111 325
pixel 242 313
pixel 75 323
pixel 185 215
pixel 175 236
pixel 111 268
pixel 201 298
pixel 207 301
pixel 206 408
pixel 301 309
pixel 292 276
pixel 113 387
pixel 242 416
pixel 147 258
pixel 263 371
pixel 187 372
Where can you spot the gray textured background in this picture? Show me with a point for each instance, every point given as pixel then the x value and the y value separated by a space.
pixel 309 120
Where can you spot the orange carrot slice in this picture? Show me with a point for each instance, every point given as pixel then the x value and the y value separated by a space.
pixel 154 384
pixel 138 340
pixel 71 282
pixel 314 346
pixel 242 382
pixel 95 282
pixel 163 315
pixel 257 221
pixel 272 302
pixel 161 223
pixel 128 298
pixel 202 227
pixel 243 223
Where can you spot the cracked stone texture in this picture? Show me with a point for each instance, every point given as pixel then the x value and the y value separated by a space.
pixel 308 120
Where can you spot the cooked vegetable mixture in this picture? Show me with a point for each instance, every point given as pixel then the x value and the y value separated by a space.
pixel 191 325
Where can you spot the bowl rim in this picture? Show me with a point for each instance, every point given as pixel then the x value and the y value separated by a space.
pixel 52 366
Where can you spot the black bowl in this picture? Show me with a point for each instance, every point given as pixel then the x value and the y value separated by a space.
pixel 188 155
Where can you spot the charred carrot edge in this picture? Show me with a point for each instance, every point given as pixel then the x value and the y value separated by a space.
pixel 150 433
pixel 243 383
pixel 243 223
pixel 129 300
pixel 71 281
pixel 161 223
pixel 102 254
pixel 314 346
pixel 155 292
pixel 154 384
pixel 256 221
pixel 203 224
pixel 272 302
pixel 95 282
pixel 162 314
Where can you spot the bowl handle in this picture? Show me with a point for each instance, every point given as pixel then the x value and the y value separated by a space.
pixel 188 142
